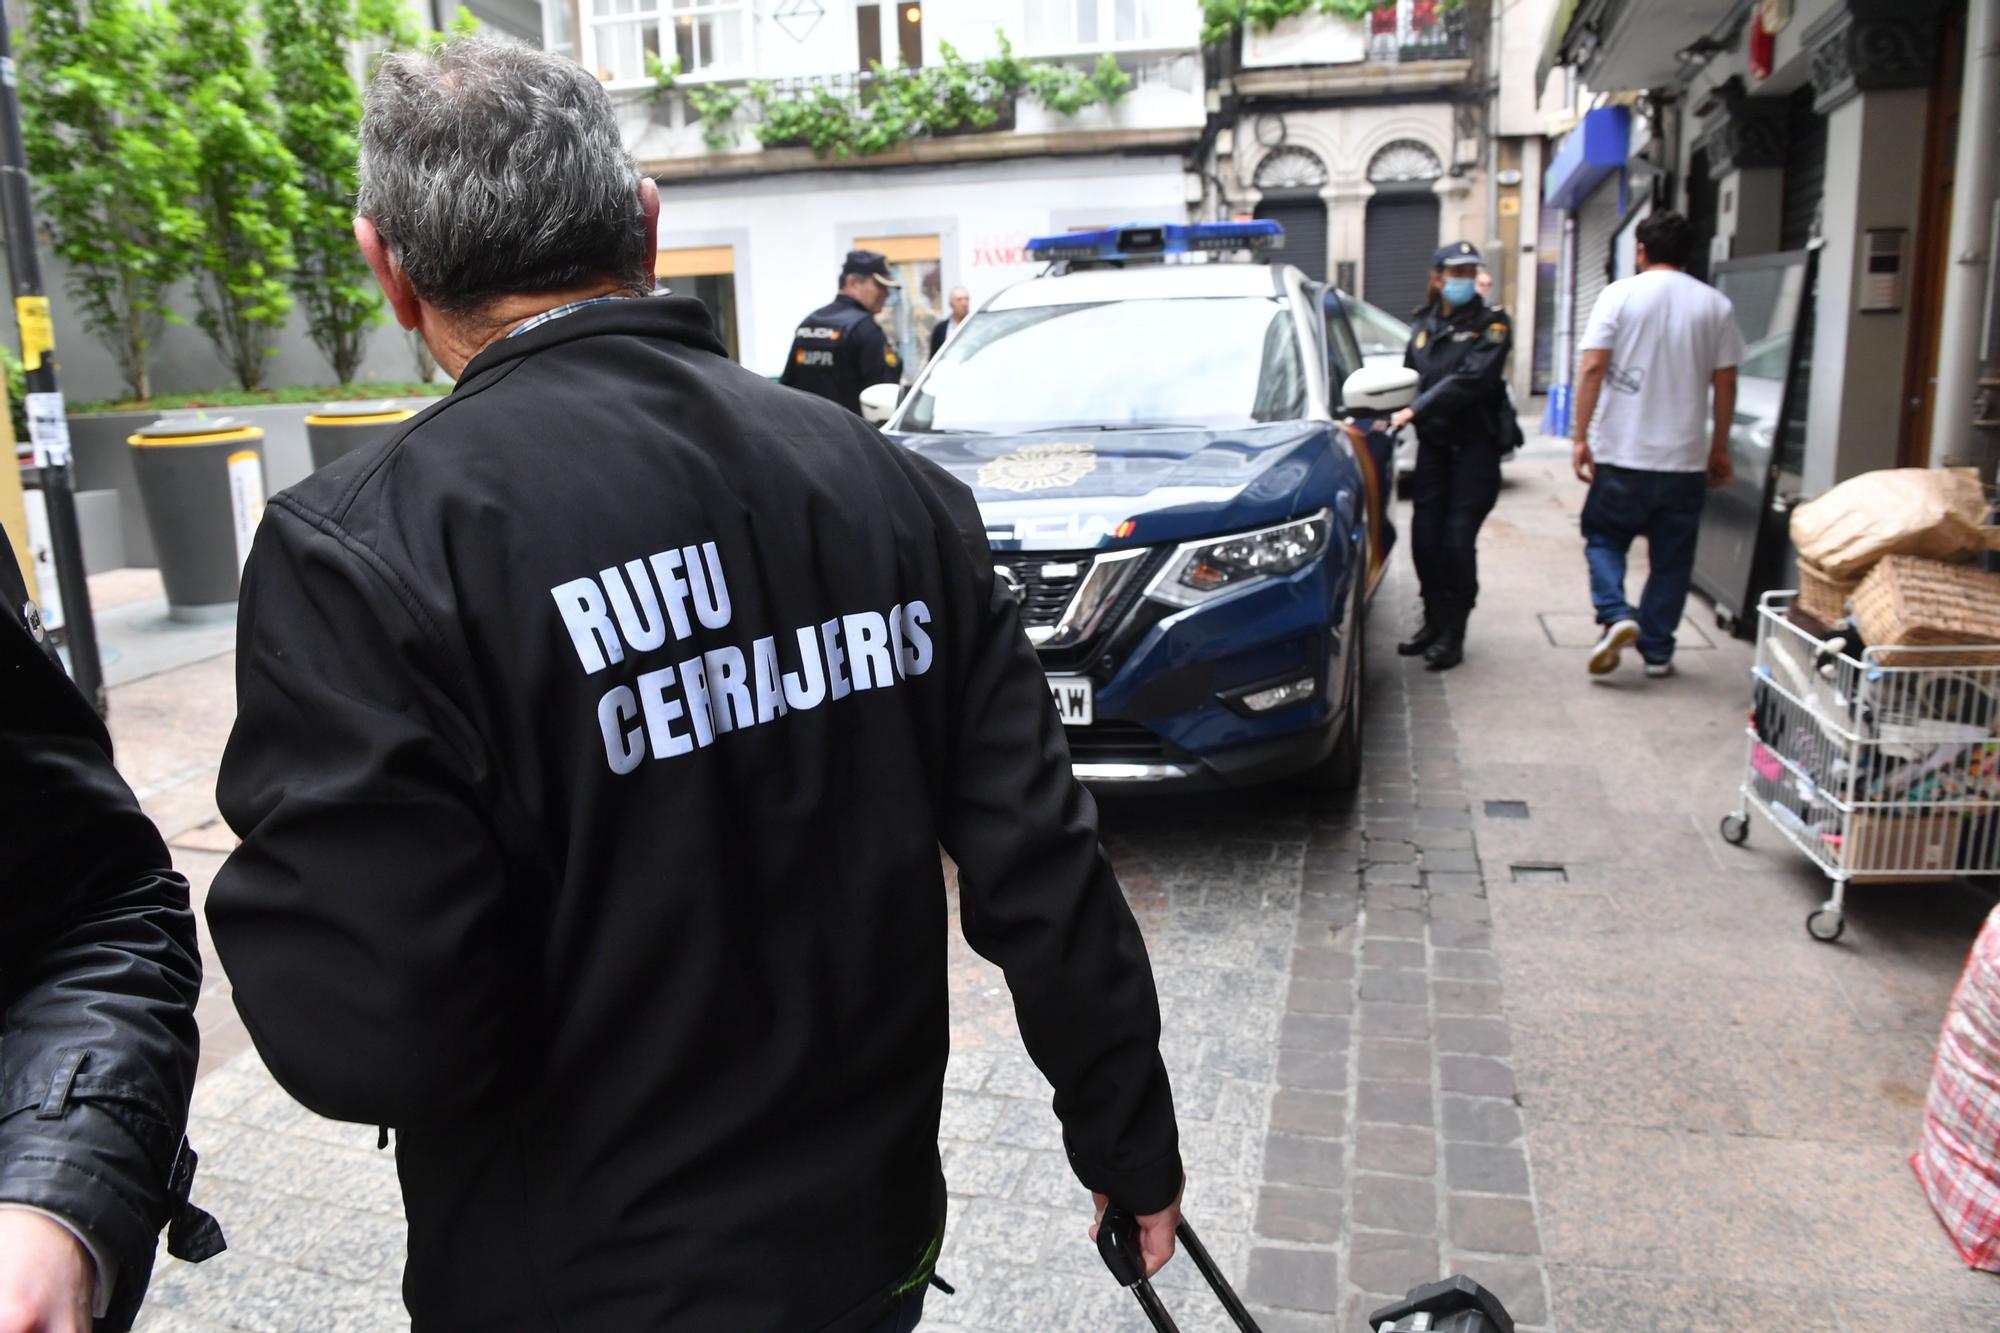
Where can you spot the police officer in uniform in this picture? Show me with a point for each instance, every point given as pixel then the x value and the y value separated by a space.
pixel 840 349
pixel 1459 348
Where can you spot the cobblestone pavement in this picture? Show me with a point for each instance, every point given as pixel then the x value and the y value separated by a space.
pixel 1332 1025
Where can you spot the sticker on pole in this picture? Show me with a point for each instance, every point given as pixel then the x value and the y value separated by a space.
pixel 48 427
pixel 38 329
pixel 246 499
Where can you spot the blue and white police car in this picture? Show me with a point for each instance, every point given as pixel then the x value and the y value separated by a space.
pixel 1172 485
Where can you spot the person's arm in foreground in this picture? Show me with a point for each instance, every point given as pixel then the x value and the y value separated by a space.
pixel 1039 898
pixel 362 920
pixel 1720 469
pixel 99 974
pixel 1590 373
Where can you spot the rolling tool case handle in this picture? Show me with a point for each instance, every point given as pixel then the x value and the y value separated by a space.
pixel 1118 1246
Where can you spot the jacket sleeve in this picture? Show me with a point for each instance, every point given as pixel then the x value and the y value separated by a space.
pixel 99 974
pixel 362 921
pixel 1038 897
pixel 878 363
pixel 1478 375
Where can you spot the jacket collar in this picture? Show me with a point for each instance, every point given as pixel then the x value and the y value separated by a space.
pixel 680 319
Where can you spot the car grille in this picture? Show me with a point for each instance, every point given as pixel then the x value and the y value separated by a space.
pixel 1112 740
pixel 1044 598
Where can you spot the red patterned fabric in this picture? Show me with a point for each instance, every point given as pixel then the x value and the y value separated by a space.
pixel 1958 1158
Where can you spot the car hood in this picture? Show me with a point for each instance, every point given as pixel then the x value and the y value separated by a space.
pixel 1075 490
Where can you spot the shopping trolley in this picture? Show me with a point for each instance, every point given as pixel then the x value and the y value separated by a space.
pixel 1456 1305
pixel 1881 765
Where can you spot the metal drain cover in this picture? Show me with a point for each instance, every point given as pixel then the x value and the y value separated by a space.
pixel 1506 809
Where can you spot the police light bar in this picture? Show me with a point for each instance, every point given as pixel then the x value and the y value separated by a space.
pixel 1137 242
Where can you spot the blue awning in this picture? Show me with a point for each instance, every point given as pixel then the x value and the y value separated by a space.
pixel 1592 151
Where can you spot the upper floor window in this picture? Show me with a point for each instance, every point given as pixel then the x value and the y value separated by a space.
pixel 1070 25
pixel 706 36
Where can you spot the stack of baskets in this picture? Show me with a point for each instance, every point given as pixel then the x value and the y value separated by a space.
pixel 1915 535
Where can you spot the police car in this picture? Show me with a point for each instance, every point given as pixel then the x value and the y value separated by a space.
pixel 1192 525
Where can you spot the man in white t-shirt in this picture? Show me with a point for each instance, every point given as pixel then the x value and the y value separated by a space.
pixel 1658 342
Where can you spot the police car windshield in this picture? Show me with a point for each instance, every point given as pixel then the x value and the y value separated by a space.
pixel 1193 361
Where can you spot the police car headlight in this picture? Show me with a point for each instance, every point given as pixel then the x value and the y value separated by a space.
pixel 1200 570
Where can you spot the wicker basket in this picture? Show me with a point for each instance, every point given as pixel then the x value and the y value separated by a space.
pixel 1909 600
pixel 1823 596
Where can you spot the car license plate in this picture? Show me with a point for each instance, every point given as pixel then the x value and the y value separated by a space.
pixel 1075 699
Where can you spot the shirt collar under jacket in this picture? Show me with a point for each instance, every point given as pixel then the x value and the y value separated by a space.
pixel 680 319
pixel 557 312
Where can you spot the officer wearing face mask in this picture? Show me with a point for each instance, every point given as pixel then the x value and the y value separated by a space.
pixel 1458 347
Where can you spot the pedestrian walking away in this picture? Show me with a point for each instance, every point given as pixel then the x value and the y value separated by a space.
pixel 598 733
pixel 1458 347
pixel 947 328
pixel 98 980
pixel 1643 440
pixel 840 350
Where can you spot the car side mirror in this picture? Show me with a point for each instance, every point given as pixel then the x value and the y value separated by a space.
pixel 1379 390
pixel 878 402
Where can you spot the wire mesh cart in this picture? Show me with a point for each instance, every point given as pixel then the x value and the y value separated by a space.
pixel 1882 767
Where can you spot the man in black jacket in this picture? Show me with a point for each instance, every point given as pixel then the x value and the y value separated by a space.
pixel 98 980
pixel 598 735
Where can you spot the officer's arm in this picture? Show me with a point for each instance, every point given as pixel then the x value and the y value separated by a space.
pixel 879 363
pixel 362 921
pixel 1479 373
pixel 1039 898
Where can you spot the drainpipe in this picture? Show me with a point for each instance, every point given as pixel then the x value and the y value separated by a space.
pixel 1970 260
pixel 1506 271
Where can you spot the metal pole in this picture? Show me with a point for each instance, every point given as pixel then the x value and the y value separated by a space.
pixel 46 422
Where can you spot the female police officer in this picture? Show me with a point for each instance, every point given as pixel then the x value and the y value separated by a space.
pixel 1458 346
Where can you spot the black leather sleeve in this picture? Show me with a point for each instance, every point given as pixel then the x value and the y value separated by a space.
pixel 99 973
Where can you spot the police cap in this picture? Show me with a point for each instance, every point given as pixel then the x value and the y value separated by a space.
pixel 869 263
pixel 1456 255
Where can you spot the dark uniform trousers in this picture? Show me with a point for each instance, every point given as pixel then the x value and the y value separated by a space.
pixel 1459 359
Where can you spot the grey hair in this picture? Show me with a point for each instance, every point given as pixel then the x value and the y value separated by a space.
pixel 491 168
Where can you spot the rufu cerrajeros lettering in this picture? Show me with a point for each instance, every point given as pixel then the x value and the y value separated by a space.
pixel 635 609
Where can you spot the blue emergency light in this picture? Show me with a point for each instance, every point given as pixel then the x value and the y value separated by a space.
pixel 1147 242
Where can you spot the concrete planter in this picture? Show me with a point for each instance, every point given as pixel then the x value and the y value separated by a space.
pixel 104 464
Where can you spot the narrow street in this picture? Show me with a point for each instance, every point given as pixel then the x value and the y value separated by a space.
pixel 1514 1010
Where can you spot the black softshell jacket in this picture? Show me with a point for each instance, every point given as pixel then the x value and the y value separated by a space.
pixel 598 735
pixel 98 979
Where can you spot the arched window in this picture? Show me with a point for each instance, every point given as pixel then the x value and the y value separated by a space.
pixel 1291 168
pixel 1404 162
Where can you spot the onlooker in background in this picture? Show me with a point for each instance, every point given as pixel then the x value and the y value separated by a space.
pixel 1483 284
pixel 840 350
pixel 1660 340
pixel 961 306
pixel 1458 347
pixel 597 736
pixel 98 981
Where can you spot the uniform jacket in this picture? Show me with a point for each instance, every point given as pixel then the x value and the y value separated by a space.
pixel 1461 360
pixel 839 351
pixel 598 735
pixel 98 979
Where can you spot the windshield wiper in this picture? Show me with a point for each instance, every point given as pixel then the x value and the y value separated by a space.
pixel 1109 425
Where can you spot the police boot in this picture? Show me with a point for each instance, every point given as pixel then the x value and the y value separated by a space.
pixel 1449 650
pixel 1427 634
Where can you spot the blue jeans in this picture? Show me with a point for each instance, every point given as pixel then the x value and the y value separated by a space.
pixel 904 1313
pixel 1665 509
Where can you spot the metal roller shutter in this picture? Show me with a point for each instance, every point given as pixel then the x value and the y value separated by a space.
pixel 1401 238
pixel 1805 170
pixel 1304 221
pixel 1596 227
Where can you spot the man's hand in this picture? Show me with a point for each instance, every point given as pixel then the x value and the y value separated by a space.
pixel 45 1276
pixel 1581 461
pixel 1403 417
pixel 1720 470
pixel 1156 1231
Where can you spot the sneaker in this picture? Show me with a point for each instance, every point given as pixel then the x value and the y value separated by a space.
pixel 1659 670
pixel 1617 638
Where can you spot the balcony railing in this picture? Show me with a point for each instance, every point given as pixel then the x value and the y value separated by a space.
pixel 1416 30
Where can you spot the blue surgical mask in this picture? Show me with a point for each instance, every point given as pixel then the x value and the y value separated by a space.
pixel 1460 291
